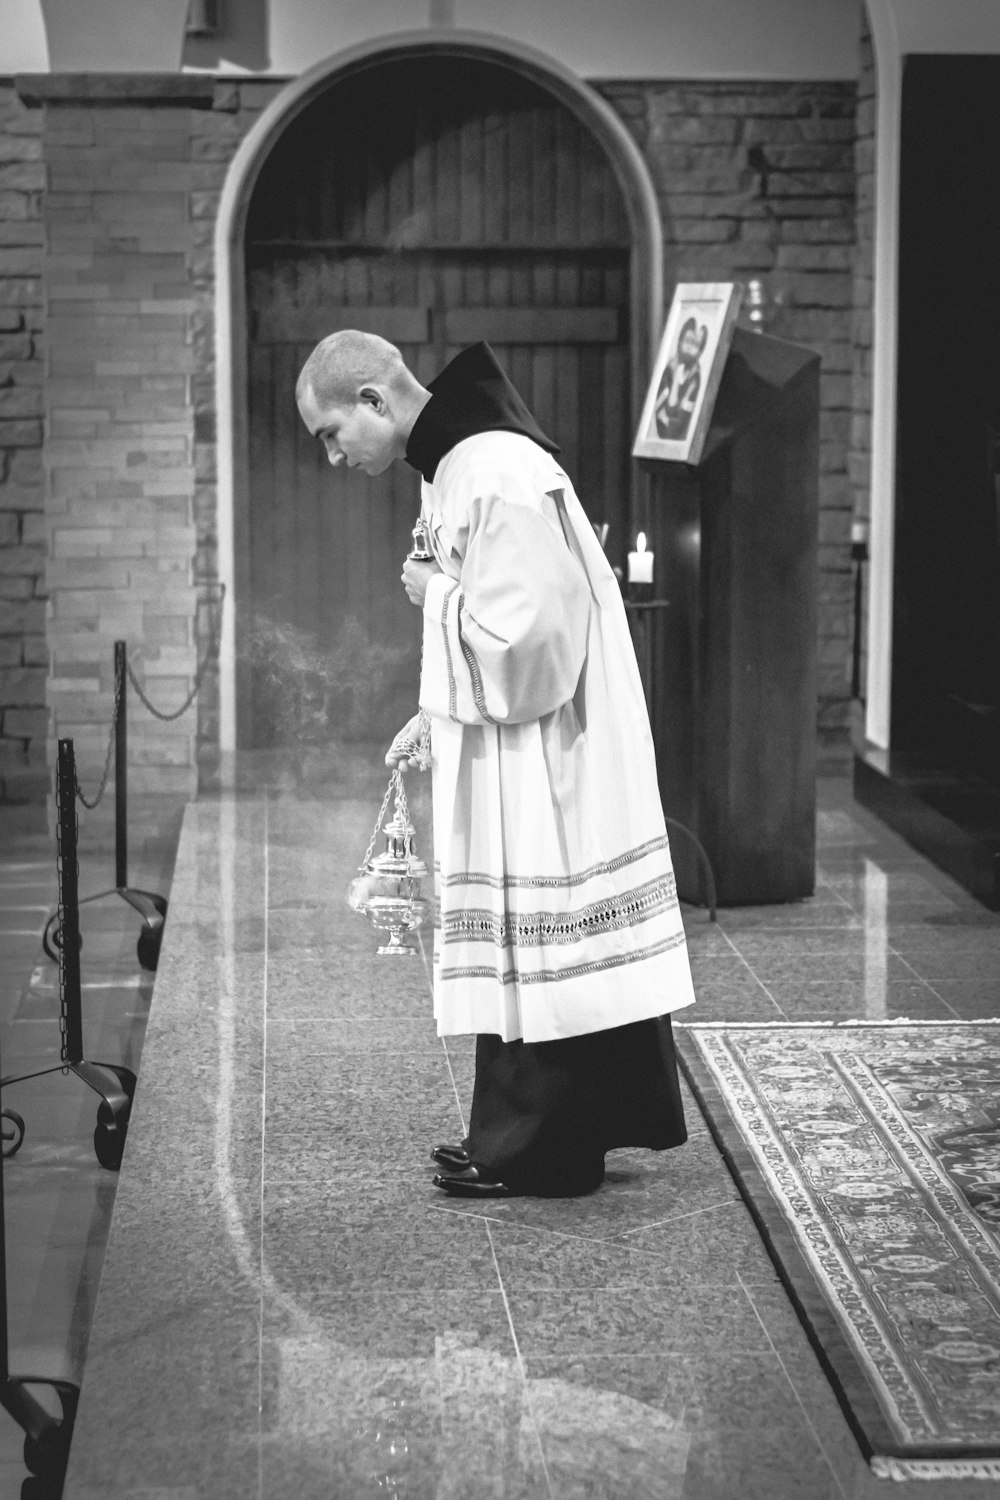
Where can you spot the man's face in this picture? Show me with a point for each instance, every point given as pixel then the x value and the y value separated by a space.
pixel 362 436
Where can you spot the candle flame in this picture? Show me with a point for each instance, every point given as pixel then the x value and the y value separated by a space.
pixel 640 542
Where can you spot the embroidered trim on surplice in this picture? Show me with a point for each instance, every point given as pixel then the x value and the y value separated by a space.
pixel 452 684
pixel 537 929
pixel 478 690
pixel 574 971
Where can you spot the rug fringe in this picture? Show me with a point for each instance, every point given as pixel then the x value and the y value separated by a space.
pixel 932 1468
pixel 827 1025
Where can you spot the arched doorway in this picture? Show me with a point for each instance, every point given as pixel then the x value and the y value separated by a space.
pixel 438 190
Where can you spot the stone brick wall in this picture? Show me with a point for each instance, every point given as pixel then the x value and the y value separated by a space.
pixel 114 519
pixel 119 442
pixel 23 652
pixel 758 181
pixel 129 209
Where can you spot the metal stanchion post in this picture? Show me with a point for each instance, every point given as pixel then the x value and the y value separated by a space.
pixel 114 1084
pixel 47 1438
pixel 859 556
pixel 121 771
pixel 150 906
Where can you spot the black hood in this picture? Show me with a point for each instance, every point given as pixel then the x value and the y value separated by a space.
pixel 472 394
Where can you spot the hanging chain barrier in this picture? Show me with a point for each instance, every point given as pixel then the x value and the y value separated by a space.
pixel 91 803
pixel 211 652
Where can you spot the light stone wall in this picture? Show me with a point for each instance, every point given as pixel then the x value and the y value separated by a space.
pixel 23 650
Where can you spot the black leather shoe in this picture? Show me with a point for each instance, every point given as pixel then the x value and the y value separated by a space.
pixel 471 1184
pixel 452 1158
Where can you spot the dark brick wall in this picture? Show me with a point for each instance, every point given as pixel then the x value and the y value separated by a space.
pixel 758 181
pixel 23 652
pixel 859 452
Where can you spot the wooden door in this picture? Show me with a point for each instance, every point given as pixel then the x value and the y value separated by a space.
pixel 437 202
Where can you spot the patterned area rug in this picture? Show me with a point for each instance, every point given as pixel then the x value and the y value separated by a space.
pixel 869 1155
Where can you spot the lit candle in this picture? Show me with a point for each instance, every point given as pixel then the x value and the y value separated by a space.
pixel 640 562
pixel 859 541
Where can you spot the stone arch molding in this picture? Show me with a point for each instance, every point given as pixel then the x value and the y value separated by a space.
pixel 623 155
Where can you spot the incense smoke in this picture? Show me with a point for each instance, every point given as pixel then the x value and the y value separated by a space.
pixel 307 695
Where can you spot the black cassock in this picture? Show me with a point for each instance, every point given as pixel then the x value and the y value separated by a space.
pixel 544 1113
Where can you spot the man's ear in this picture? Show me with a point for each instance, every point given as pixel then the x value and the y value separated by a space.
pixel 370 395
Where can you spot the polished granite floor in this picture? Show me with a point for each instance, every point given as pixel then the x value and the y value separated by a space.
pixel 289 1308
pixel 58 1199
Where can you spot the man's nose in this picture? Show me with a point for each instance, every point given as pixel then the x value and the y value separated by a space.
pixel 334 455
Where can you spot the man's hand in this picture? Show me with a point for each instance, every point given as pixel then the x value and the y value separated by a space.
pixel 403 750
pixel 415 578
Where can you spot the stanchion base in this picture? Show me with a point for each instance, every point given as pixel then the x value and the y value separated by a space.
pixel 150 906
pixel 47 1438
pixel 116 1087
pixel 153 909
pixel 12 1138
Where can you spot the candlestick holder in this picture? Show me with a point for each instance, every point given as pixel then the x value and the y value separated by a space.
pixel 420 552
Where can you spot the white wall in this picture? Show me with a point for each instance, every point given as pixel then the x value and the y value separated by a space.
pixel 23 47
pixel 953 26
pixel 603 38
pixel 800 39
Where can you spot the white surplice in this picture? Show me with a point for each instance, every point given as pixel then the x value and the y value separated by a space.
pixel 558 911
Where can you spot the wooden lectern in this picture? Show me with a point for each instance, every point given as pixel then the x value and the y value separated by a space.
pixel 731 656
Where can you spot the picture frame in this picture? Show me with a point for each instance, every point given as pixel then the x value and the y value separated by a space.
pixel 688 369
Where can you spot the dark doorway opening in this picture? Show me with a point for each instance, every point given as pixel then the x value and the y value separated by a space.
pixel 944 765
pixel 946 629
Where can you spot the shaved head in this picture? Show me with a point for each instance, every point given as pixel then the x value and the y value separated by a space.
pixel 344 362
pixel 357 396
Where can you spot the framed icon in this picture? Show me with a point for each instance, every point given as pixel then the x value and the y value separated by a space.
pixel 689 364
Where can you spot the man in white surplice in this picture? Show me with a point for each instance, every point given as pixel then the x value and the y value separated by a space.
pixel 559 941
